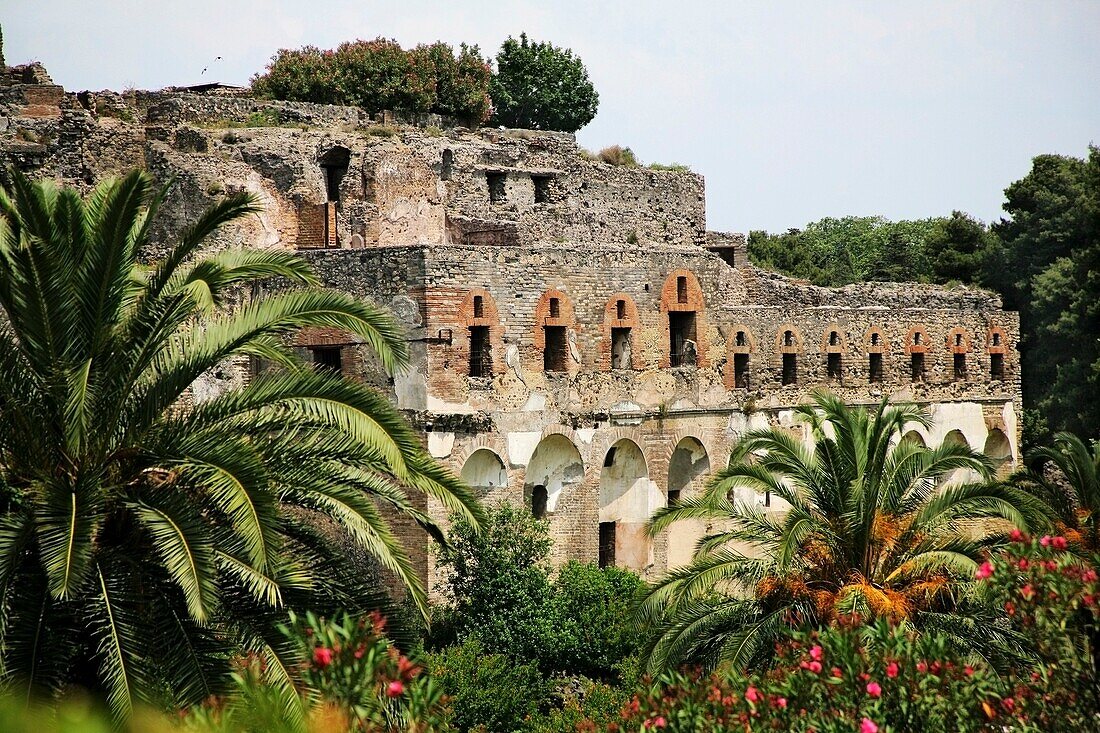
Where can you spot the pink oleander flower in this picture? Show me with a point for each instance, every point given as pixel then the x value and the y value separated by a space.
pixel 892 670
pixel 868 726
pixel 816 652
pixel 874 689
pixel 1017 536
pixel 1045 541
pixel 984 570
pixel 1059 543
pixel 752 695
pixel 814 666
pixel 322 656
pixel 1027 592
pixel 395 688
pixel 781 703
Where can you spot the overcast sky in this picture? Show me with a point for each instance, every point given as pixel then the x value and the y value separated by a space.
pixel 792 110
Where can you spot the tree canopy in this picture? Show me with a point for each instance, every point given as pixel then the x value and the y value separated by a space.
pixel 542 87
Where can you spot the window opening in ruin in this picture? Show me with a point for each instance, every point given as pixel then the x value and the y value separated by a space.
pixel 446 168
pixel 620 309
pixel 609 459
pixel 916 338
pixel 790 368
pixel 767 498
pixel 538 502
pixel 479 307
pixel 620 348
pixel 327 357
pixel 681 289
pixel 917 364
pixel 997 367
pixel 542 188
pixel 874 339
pixel 739 340
pixel 607 544
pixel 556 350
pixel 334 164
pixel 741 371
pixel 481 352
pixel 833 365
pixel 958 339
pixel 788 338
pixel 682 343
pixel 834 338
pixel 960 366
pixel 996 339
pixel 496 187
pixel 874 367
pixel 673 497
pixel 555 308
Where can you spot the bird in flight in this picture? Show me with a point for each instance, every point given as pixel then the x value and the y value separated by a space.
pixel 218 58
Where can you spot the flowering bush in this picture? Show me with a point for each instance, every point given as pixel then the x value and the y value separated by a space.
pixel 873 678
pixel 1052 595
pixel 379 75
pixel 356 670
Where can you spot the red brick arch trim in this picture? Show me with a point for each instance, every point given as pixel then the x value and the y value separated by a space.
pixel 494 444
pixel 611 320
pixel 1002 346
pixel 566 316
pixel 750 341
pixel 883 344
pixel 781 346
pixel 841 345
pixel 911 347
pixel 962 336
pixel 613 439
pixel 694 301
pixel 490 317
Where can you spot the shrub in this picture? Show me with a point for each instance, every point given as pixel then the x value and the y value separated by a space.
pixel 618 155
pixel 542 87
pixel 490 692
pixel 379 75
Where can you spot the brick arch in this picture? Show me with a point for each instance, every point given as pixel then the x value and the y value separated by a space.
pixel 1002 346
pixel 962 336
pixel 566 315
pixel 883 345
pixel 750 340
pixel 841 346
pixel 672 439
pixel 914 348
pixel 694 301
pixel 609 438
pixel 783 348
pixel 483 441
pixel 611 320
pixel 467 319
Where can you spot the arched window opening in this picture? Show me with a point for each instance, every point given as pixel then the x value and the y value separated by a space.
pixel 834 338
pixel 484 471
pixel 875 339
pixel 479 306
pixel 996 339
pixel 681 289
pixel 620 309
pixel 683 346
pixel 627 499
pixel 739 340
pixel 788 338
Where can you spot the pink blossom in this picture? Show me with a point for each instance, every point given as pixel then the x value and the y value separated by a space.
pixel 1017 536
pixel 874 689
pixel 1023 564
pixel 752 695
pixel 984 570
pixel 1089 576
pixel 892 670
pixel 868 726
pixel 922 666
pixel 781 703
pixel 395 688
pixel 1008 703
pixel 816 652
pixel 1027 592
pixel 1045 542
pixel 322 656
pixel 968 670
pixel 1059 543
pixel 814 666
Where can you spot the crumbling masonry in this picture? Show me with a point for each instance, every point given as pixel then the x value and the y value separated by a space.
pixel 581 343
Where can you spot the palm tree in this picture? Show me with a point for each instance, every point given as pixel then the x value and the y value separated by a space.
pixel 1073 491
pixel 871 530
pixel 145 538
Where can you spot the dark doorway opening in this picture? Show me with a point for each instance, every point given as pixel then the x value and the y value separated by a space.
pixel 481 354
pixel 682 339
pixel 834 367
pixel 538 501
pixel 997 367
pixel 917 367
pixel 607 544
pixel 874 367
pixel 741 371
pixel 556 351
pixel 790 369
pixel 327 357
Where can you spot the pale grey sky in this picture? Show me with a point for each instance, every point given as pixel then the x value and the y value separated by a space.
pixel 792 110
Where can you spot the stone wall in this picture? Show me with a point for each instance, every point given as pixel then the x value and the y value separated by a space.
pixel 513 254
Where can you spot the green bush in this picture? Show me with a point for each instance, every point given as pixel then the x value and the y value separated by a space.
pixel 540 86
pixel 379 75
pixel 490 692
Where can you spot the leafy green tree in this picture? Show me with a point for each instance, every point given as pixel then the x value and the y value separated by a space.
pixel 1046 268
pixel 871 530
pixel 957 247
pixel 542 87
pixel 143 536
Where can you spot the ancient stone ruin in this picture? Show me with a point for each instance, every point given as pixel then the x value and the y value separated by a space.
pixel 581 343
